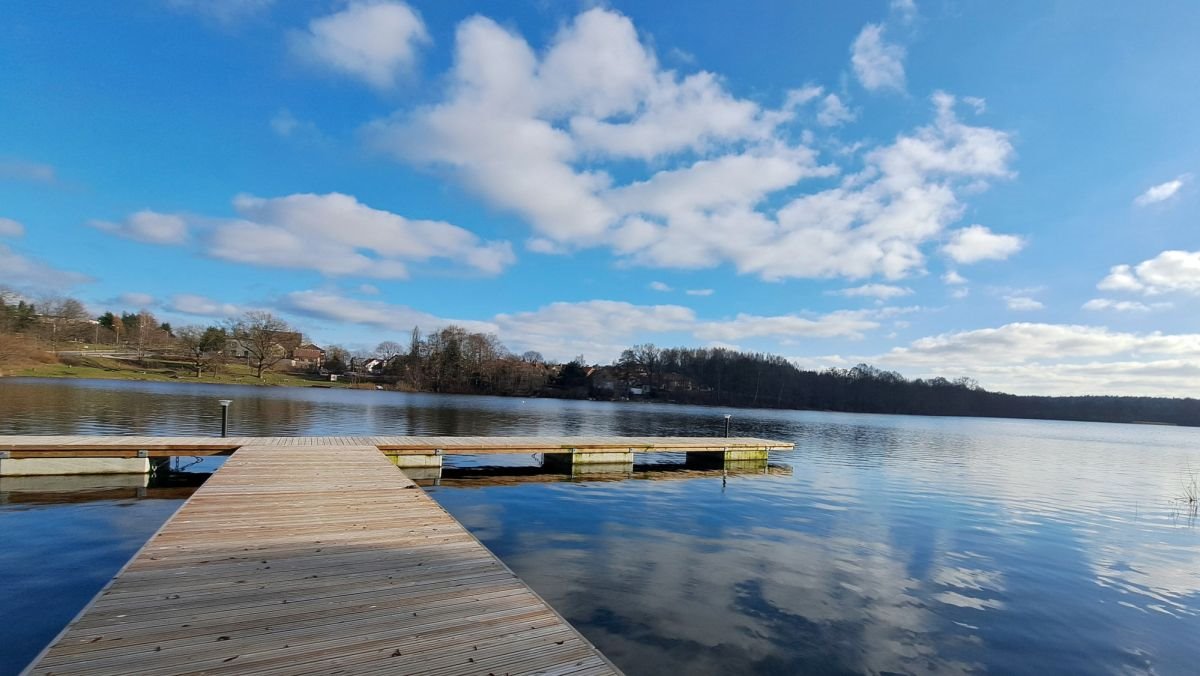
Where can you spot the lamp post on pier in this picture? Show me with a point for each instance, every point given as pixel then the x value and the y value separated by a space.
pixel 225 416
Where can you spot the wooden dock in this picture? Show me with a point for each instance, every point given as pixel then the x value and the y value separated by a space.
pixel 317 559
pixel 159 447
pixel 316 555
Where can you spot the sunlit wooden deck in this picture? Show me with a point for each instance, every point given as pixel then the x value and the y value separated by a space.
pixel 313 556
pixel 130 446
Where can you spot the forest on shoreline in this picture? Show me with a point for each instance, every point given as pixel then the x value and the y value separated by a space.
pixel 454 360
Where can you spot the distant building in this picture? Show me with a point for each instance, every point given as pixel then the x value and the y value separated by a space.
pixel 309 354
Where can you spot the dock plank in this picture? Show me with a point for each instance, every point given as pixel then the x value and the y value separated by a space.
pixel 313 556
pixel 117 446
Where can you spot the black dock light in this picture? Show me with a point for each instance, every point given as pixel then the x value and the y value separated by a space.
pixel 225 416
pixel 727 423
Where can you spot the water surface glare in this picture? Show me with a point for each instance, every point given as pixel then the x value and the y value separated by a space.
pixel 896 544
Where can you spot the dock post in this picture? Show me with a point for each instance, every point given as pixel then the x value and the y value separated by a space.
pixel 225 416
pixel 728 418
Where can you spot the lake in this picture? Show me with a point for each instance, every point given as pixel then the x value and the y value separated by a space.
pixel 881 544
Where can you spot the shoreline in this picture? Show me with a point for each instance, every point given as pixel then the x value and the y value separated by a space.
pixel 299 381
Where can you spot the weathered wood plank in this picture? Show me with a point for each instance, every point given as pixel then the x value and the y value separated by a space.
pixel 319 557
pixel 94 446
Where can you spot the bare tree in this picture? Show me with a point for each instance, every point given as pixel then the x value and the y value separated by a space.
pixel 200 345
pixel 388 350
pixel 259 334
pixel 146 332
pixel 644 360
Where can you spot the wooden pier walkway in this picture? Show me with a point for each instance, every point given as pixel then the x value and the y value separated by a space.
pixel 323 559
pixel 317 555
pixel 129 446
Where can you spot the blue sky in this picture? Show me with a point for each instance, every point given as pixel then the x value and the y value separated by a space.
pixel 1007 192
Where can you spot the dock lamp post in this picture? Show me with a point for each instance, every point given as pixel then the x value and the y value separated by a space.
pixel 728 418
pixel 225 416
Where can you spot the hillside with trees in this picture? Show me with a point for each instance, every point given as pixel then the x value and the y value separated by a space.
pixel 454 360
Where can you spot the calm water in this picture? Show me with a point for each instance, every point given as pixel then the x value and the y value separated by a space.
pixel 896 544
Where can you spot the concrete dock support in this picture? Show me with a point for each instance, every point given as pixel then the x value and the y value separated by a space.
pixel 417 461
pixel 729 458
pixel 72 466
pixel 576 462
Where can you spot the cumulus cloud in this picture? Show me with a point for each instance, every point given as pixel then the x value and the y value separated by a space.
pixel 373 41
pixel 833 112
pixel 333 234
pixel 148 226
pixel 31 274
pixel 1162 192
pixel 1100 304
pixel 700 292
pixel 660 286
pixel 1168 272
pixel 599 329
pixel 953 278
pixel 880 291
pixel 1023 303
pixel 11 228
pixel 541 134
pixel 1038 358
pixel 377 314
pixel 976 243
pixel 203 306
pixel 877 63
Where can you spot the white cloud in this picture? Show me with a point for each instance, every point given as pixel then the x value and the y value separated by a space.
pixel 368 289
pixel 1099 304
pixel 878 64
pixel 1036 358
pixel 880 291
pixel 976 243
pixel 851 324
pixel 334 234
pixel 378 314
pixel 373 41
pixel 21 170
pixel 30 274
pixel 1023 303
pixel 953 278
pixel 192 304
pixel 660 286
pixel 543 134
pixel 832 112
pixel 11 228
pixel 905 10
pixel 1162 192
pixel 1168 272
pixel 700 292
pixel 135 300
pixel 148 226
pixel 599 329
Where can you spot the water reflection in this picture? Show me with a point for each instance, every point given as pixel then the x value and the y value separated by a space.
pixel 894 544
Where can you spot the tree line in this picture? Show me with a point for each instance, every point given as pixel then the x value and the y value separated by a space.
pixel 455 360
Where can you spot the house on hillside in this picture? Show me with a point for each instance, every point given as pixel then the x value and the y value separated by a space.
pixel 308 355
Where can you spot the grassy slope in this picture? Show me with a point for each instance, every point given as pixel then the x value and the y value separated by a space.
pixel 168 371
